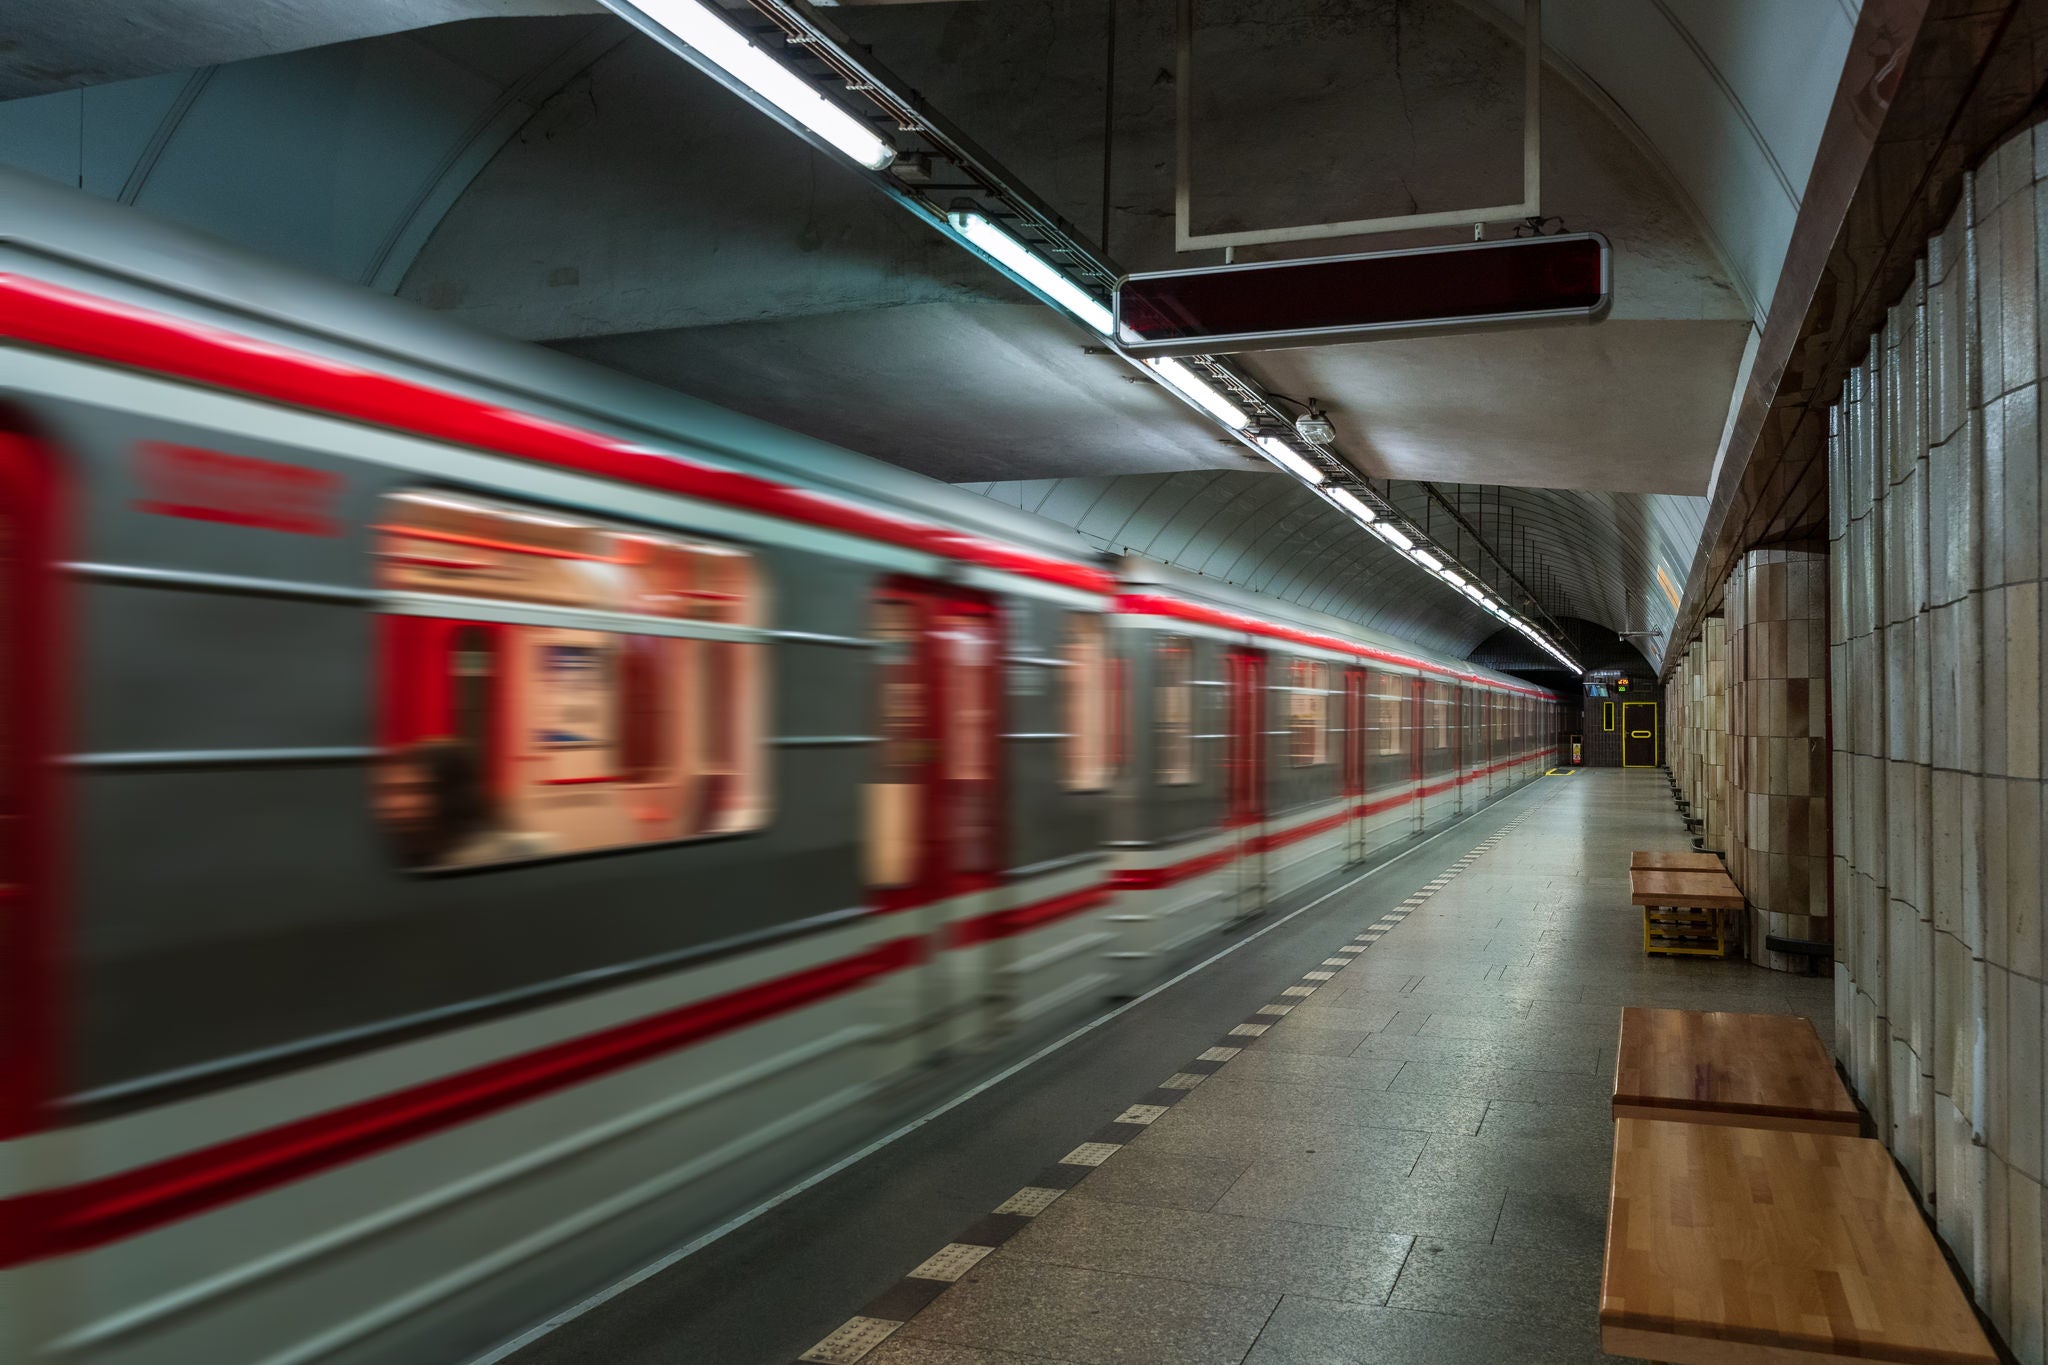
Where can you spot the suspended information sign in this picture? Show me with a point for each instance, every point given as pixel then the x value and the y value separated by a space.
pixel 1514 282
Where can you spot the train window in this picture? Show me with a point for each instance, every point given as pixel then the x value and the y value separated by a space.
pixel 1175 710
pixel 892 812
pixel 1390 713
pixel 562 729
pixel 1086 702
pixel 1308 713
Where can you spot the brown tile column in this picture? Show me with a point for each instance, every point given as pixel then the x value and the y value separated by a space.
pixel 1710 734
pixel 1777 627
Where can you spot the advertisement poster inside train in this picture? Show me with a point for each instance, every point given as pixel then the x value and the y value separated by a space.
pixel 575 704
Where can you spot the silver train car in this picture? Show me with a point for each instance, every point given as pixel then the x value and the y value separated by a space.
pixel 472 820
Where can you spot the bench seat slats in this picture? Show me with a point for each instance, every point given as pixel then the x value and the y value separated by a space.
pixel 1764 1070
pixel 1730 1244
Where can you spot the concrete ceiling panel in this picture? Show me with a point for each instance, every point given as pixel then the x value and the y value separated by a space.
pixel 339 159
pixel 957 390
pixel 1636 406
pixel 1728 95
pixel 79 43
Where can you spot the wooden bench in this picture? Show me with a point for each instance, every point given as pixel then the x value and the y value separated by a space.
pixel 1750 1070
pixel 1682 910
pixel 1728 1245
pixel 1644 860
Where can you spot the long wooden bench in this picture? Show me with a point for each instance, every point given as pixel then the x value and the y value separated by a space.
pixel 1682 909
pixel 1752 1070
pixel 1728 1245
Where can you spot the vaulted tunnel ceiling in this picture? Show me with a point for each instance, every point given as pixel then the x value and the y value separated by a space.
pixel 542 172
pixel 1582 553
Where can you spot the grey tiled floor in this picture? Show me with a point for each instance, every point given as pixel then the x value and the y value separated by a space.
pixel 1410 1167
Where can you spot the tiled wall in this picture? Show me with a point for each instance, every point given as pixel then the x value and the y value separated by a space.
pixel 1602 746
pixel 1776 604
pixel 1696 722
pixel 1935 519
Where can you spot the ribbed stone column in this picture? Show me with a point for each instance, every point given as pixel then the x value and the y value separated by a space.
pixel 1777 625
pixel 1710 734
pixel 1677 726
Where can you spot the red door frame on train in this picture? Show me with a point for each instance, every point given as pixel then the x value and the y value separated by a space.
pixel 1418 733
pixel 944 735
pixel 32 648
pixel 1354 764
pixel 940 710
pixel 1245 672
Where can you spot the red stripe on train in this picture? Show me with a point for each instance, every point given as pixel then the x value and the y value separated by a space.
pixel 1024 918
pixel 79 1217
pixel 63 319
pixel 1152 604
pixel 1153 878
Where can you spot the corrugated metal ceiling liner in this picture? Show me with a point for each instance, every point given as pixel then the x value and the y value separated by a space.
pixel 1592 555
pixel 1261 532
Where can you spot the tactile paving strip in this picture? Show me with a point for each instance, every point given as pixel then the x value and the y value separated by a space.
pixel 863 1333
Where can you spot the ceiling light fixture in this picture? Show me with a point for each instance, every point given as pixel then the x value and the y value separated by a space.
pixel 1033 269
pixel 1426 560
pixel 1351 503
pixel 1198 391
pixel 1284 455
pixel 1315 425
pixel 1393 537
pixel 704 34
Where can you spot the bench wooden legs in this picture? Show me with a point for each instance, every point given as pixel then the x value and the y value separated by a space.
pixel 1684 932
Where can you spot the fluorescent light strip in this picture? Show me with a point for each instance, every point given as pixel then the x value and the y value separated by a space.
pixel 1426 560
pixel 708 34
pixel 1284 455
pixel 1349 501
pixel 1393 537
pixel 1198 390
pixel 1033 269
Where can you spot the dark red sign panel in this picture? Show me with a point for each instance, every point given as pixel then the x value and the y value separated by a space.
pixel 236 490
pixel 1353 298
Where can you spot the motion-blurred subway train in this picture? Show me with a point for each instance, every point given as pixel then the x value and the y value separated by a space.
pixel 471 820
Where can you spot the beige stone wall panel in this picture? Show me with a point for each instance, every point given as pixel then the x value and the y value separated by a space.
pixel 1935 519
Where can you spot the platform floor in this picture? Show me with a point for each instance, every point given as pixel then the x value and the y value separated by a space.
pixel 1409 1164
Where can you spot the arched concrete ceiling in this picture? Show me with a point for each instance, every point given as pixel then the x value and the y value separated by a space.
pixel 79 43
pixel 774 242
pixel 562 180
pixel 1729 95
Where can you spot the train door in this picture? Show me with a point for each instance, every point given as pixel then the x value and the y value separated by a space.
pixel 1355 701
pixel 1497 748
pixel 1639 734
pixel 1247 772
pixel 1459 705
pixel 1418 734
pixel 29 654
pixel 933 817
